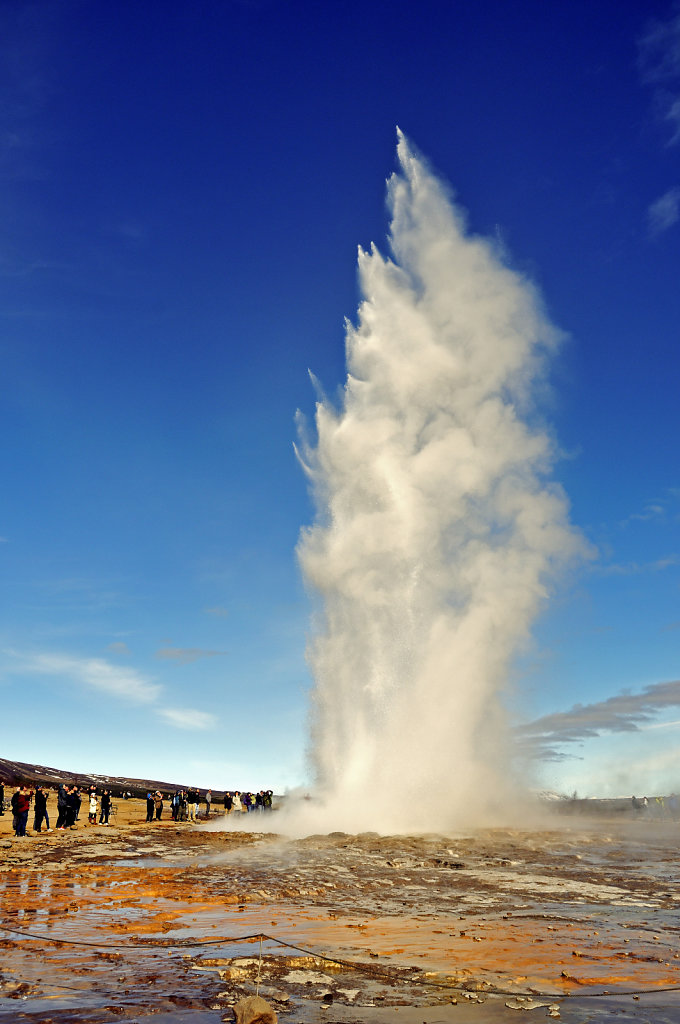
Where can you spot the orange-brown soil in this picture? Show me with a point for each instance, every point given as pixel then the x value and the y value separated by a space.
pixel 177 921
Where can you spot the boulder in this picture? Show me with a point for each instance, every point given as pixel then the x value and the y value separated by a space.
pixel 254 1010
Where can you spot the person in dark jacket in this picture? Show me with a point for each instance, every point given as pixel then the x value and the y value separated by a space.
pixel 149 806
pixel 62 807
pixel 13 805
pixel 72 806
pixel 192 804
pixel 40 809
pixel 105 808
pixel 2 798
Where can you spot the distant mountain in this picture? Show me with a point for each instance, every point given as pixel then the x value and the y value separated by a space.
pixel 13 773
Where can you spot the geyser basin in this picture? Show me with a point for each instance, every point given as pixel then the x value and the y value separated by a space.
pixel 385 924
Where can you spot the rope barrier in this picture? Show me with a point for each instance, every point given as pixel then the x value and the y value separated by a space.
pixel 357 965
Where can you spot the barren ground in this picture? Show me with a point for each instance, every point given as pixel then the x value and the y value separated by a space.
pixel 164 921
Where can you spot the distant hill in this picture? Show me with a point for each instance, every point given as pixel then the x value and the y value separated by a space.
pixel 13 773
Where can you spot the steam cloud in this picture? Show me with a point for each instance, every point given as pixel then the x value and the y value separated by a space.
pixel 436 534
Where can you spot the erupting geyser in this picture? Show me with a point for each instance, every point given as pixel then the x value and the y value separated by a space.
pixel 436 532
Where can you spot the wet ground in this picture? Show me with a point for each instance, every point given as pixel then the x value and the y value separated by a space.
pixel 176 923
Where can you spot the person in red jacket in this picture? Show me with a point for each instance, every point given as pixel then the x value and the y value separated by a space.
pixel 22 804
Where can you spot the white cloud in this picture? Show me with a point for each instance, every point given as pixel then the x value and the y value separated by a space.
pixel 665 212
pixel 660 51
pixel 96 674
pixel 673 117
pixel 650 511
pixel 659 62
pixel 187 718
pixel 218 611
pixel 124 683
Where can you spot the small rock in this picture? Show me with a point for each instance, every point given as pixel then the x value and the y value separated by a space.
pixel 254 1010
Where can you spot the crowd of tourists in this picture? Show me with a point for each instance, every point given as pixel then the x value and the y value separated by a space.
pixel 657 806
pixel 235 803
pixel 69 804
pixel 184 805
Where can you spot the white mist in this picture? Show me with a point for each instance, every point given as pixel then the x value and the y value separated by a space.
pixel 436 532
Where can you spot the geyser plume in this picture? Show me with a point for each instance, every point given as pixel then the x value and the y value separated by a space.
pixel 436 532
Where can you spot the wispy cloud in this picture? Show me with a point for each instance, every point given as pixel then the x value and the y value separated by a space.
pixel 126 684
pixel 32 49
pixel 188 718
pixel 661 506
pixel 665 211
pixel 118 647
pixel 186 655
pixel 651 511
pixel 626 712
pixel 131 230
pixel 638 568
pixel 96 674
pixel 659 63
pixel 218 611
pixel 662 725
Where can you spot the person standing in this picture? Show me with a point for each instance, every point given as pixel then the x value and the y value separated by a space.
pixel 192 804
pixel 2 798
pixel 106 808
pixel 77 801
pixel 92 814
pixel 62 807
pixel 158 804
pixel 13 805
pixel 72 806
pixel 21 805
pixel 149 806
pixel 208 801
pixel 46 791
pixel 40 809
pixel 228 803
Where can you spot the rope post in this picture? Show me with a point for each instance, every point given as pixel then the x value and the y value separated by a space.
pixel 259 968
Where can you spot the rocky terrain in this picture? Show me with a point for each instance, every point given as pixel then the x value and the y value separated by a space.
pixel 177 922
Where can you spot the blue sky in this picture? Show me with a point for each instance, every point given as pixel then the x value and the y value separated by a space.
pixel 182 192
